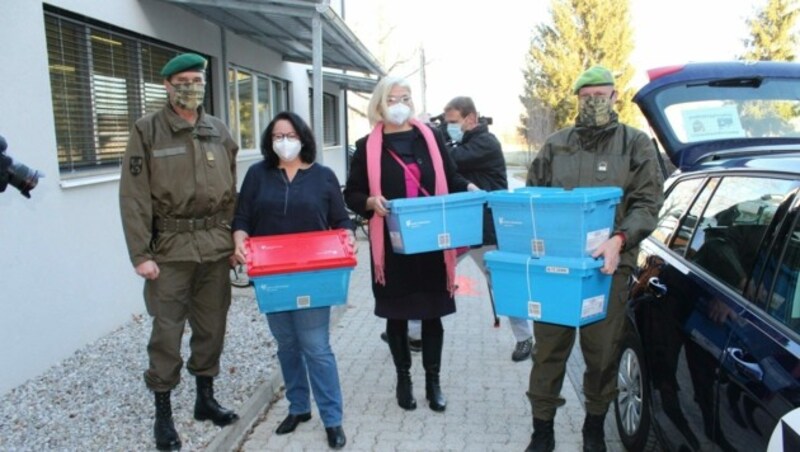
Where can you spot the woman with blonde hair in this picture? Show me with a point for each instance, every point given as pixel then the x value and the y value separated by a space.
pixel 405 158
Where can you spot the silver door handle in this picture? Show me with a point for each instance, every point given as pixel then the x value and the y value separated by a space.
pixel 750 368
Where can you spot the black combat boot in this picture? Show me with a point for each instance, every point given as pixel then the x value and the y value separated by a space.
pixel 593 434
pixel 432 362
pixel 207 408
pixel 164 429
pixel 543 438
pixel 401 354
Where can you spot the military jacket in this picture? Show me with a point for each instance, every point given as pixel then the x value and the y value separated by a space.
pixel 616 155
pixel 178 189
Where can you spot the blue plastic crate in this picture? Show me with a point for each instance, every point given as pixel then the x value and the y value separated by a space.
pixel 548 221
pixel 301 290
pixel 433 223
pixel 565 291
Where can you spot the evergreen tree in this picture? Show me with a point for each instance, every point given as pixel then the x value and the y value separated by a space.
pixel 581 33
pixel 772 36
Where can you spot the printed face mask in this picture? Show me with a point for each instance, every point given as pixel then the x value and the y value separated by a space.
pixel 287 149
pixel 189 96
pixel 398 114
pixel 594 111
pixel 455 132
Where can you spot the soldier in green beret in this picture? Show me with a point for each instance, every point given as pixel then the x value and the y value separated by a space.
pixel 177 192
pixel 597 151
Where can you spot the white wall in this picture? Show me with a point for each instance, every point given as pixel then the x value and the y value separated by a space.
pixel 65 277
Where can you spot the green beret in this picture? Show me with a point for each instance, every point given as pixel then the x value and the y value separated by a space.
pixel 594 76
pixel 184 62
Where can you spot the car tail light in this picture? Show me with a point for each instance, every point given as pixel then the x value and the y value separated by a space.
pixel 662 71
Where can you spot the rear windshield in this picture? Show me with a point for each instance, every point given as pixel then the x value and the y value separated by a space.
pixel 733 108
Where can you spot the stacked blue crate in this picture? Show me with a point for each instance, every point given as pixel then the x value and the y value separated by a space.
pixel 543 269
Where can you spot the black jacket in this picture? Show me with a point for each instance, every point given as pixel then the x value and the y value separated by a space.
pixel 479 158
pixel 416 284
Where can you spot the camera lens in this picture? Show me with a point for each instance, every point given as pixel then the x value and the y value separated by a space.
pixel 22 178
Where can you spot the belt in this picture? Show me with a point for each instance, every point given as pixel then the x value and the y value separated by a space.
pixel 189 224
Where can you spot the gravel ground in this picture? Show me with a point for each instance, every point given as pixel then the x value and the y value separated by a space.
pixel 97 400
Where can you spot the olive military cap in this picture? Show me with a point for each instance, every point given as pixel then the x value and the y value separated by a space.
pixel 594 76
pixel 184 62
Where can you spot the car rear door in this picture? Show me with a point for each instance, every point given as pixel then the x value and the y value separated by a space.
pixel 758 379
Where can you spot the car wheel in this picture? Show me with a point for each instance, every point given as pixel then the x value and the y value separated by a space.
pixel 632 405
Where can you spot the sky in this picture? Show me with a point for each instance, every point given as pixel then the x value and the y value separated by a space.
pixel 478 48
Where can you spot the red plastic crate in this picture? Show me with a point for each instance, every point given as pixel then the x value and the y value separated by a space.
pixel 304 251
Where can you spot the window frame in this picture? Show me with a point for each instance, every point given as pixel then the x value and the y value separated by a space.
pixel 278 102
pixel 331 135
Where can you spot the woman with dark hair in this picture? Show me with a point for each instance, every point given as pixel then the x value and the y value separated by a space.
pixel 288 193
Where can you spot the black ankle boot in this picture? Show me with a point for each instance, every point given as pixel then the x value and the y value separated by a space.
pixel 207 408
pixel 432 362
pixel 401 354
pixel 164 429
pixel 593 433
pixel 543 438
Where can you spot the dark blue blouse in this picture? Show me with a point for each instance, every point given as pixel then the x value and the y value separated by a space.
pixel 269 204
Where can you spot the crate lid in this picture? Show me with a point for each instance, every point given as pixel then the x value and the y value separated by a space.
pixel 573 263
pixel 304 251
pixel 556 195
pixel 460 199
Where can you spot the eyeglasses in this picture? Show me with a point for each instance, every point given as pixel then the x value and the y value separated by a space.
pixel 391 100
pixel 280 136
pixel 594 96
pixel 186 83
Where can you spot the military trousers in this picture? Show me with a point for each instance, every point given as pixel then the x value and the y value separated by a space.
pixel 199 293
pixel 599 343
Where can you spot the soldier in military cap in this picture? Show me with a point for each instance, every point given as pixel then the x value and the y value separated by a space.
pixel 597 151
pixel 177 192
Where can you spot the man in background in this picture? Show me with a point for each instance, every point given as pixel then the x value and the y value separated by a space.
pixel 479 158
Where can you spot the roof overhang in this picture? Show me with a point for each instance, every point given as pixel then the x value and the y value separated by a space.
pixel 285 26
pixel 349 82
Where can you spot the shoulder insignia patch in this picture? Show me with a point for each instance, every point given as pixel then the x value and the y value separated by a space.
pixel 136 165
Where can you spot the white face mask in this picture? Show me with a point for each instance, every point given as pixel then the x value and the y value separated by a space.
pixel 398 114
pixel 287 149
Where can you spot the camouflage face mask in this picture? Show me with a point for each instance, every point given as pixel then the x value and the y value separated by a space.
pixel 594 111
pixel 189 96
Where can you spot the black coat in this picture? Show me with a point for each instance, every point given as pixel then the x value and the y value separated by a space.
pixel 416 284
pixel 479 158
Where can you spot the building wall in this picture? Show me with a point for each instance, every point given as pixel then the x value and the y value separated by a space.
pixel 65 277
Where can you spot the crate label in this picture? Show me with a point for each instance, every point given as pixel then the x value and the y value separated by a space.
pixel 396 239
pixel 558 270
pixel 304 301
pixel 596 238
pixel 444 240
pixel 414 224
pixel 537 247
pixel 592 306
pixel 534 310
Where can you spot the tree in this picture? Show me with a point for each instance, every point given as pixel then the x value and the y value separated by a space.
pixel 772 36
pixel 582 33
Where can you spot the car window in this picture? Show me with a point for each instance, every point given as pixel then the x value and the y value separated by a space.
pixel 735 108
pixel 784 303
pixel 732 224
pixel 675 204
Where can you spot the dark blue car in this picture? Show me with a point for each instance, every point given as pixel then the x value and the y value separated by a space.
pixel 712 358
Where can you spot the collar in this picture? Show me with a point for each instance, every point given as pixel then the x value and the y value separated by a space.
pixel 203 128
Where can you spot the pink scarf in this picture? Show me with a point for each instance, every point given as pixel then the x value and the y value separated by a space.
pixel 376 240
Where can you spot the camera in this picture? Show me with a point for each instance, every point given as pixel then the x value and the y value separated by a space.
pixel 18 175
